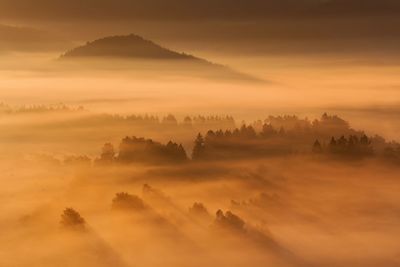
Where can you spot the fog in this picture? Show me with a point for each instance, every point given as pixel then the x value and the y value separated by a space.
pixel 366 93
pixel 265 136
pixel 294 214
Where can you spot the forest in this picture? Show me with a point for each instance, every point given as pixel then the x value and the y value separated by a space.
pixel 328 136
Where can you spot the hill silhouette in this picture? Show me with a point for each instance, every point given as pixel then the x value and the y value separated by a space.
pixel 127 47
pixel 135 49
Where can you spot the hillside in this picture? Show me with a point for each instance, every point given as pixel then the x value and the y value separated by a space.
pixel 127 47
pixel 126 51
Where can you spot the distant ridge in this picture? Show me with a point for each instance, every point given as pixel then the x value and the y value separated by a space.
pixel 134 48
pixel 128 47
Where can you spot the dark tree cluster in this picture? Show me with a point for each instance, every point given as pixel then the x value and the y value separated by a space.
pixel 324 127
pixel 198 210
pixel 228 221
pixel 125 201
pixel 71 219
pixel 286 135
pixel 108 154
pixel 141 150
pixel 353 146
pixel 274 136
pixel 133 149
pixel 280 136
pixel 243 142
pixel 210 122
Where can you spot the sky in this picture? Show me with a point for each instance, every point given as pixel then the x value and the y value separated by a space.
pixel 241 26
pixel 192 9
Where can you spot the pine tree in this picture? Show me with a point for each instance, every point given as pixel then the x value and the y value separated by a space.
pixel 199 148
pixel 317 148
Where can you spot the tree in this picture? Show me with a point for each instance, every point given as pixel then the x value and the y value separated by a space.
pixel 125 201
pixel 141 150
pixel 342 144
pixel 170 120
pixel 199 148
pixel 198 210
pixel 317 148
pixel 332 145
pixel 72 219
pixel 107 153
pixel 229 221
pixel 365 141
pixel 268 130
pixel 247 132
pixel 188 122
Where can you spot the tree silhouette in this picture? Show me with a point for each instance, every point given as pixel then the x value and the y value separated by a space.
pixel 71 219
pixel 170 120
pixel 317 148
pixel 351 147
pixel 133 149
pixel 229 221
pixel 198 210
pixel 199 148
pixel 125 201
pixel 107 153
pixel 268 131
pixel 248 131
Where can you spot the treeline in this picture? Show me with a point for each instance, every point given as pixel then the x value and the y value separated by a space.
pixel 154 122
pixel 223 122
pixel 141 150
pixel 326 126
pixel 353 146
pixel 275 136
pixel 32 109
pixel 115 121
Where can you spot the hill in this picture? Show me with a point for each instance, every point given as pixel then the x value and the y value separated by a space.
pixel 127 47
pixel 126 51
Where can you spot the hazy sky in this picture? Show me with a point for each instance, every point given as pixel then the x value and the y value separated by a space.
pixel 192 9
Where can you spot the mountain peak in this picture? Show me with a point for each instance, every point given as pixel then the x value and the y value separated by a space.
pixel 125 46
pixel 134 48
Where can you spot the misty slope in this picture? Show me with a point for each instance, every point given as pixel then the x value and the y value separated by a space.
pixel 134 49
pixel 128 47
